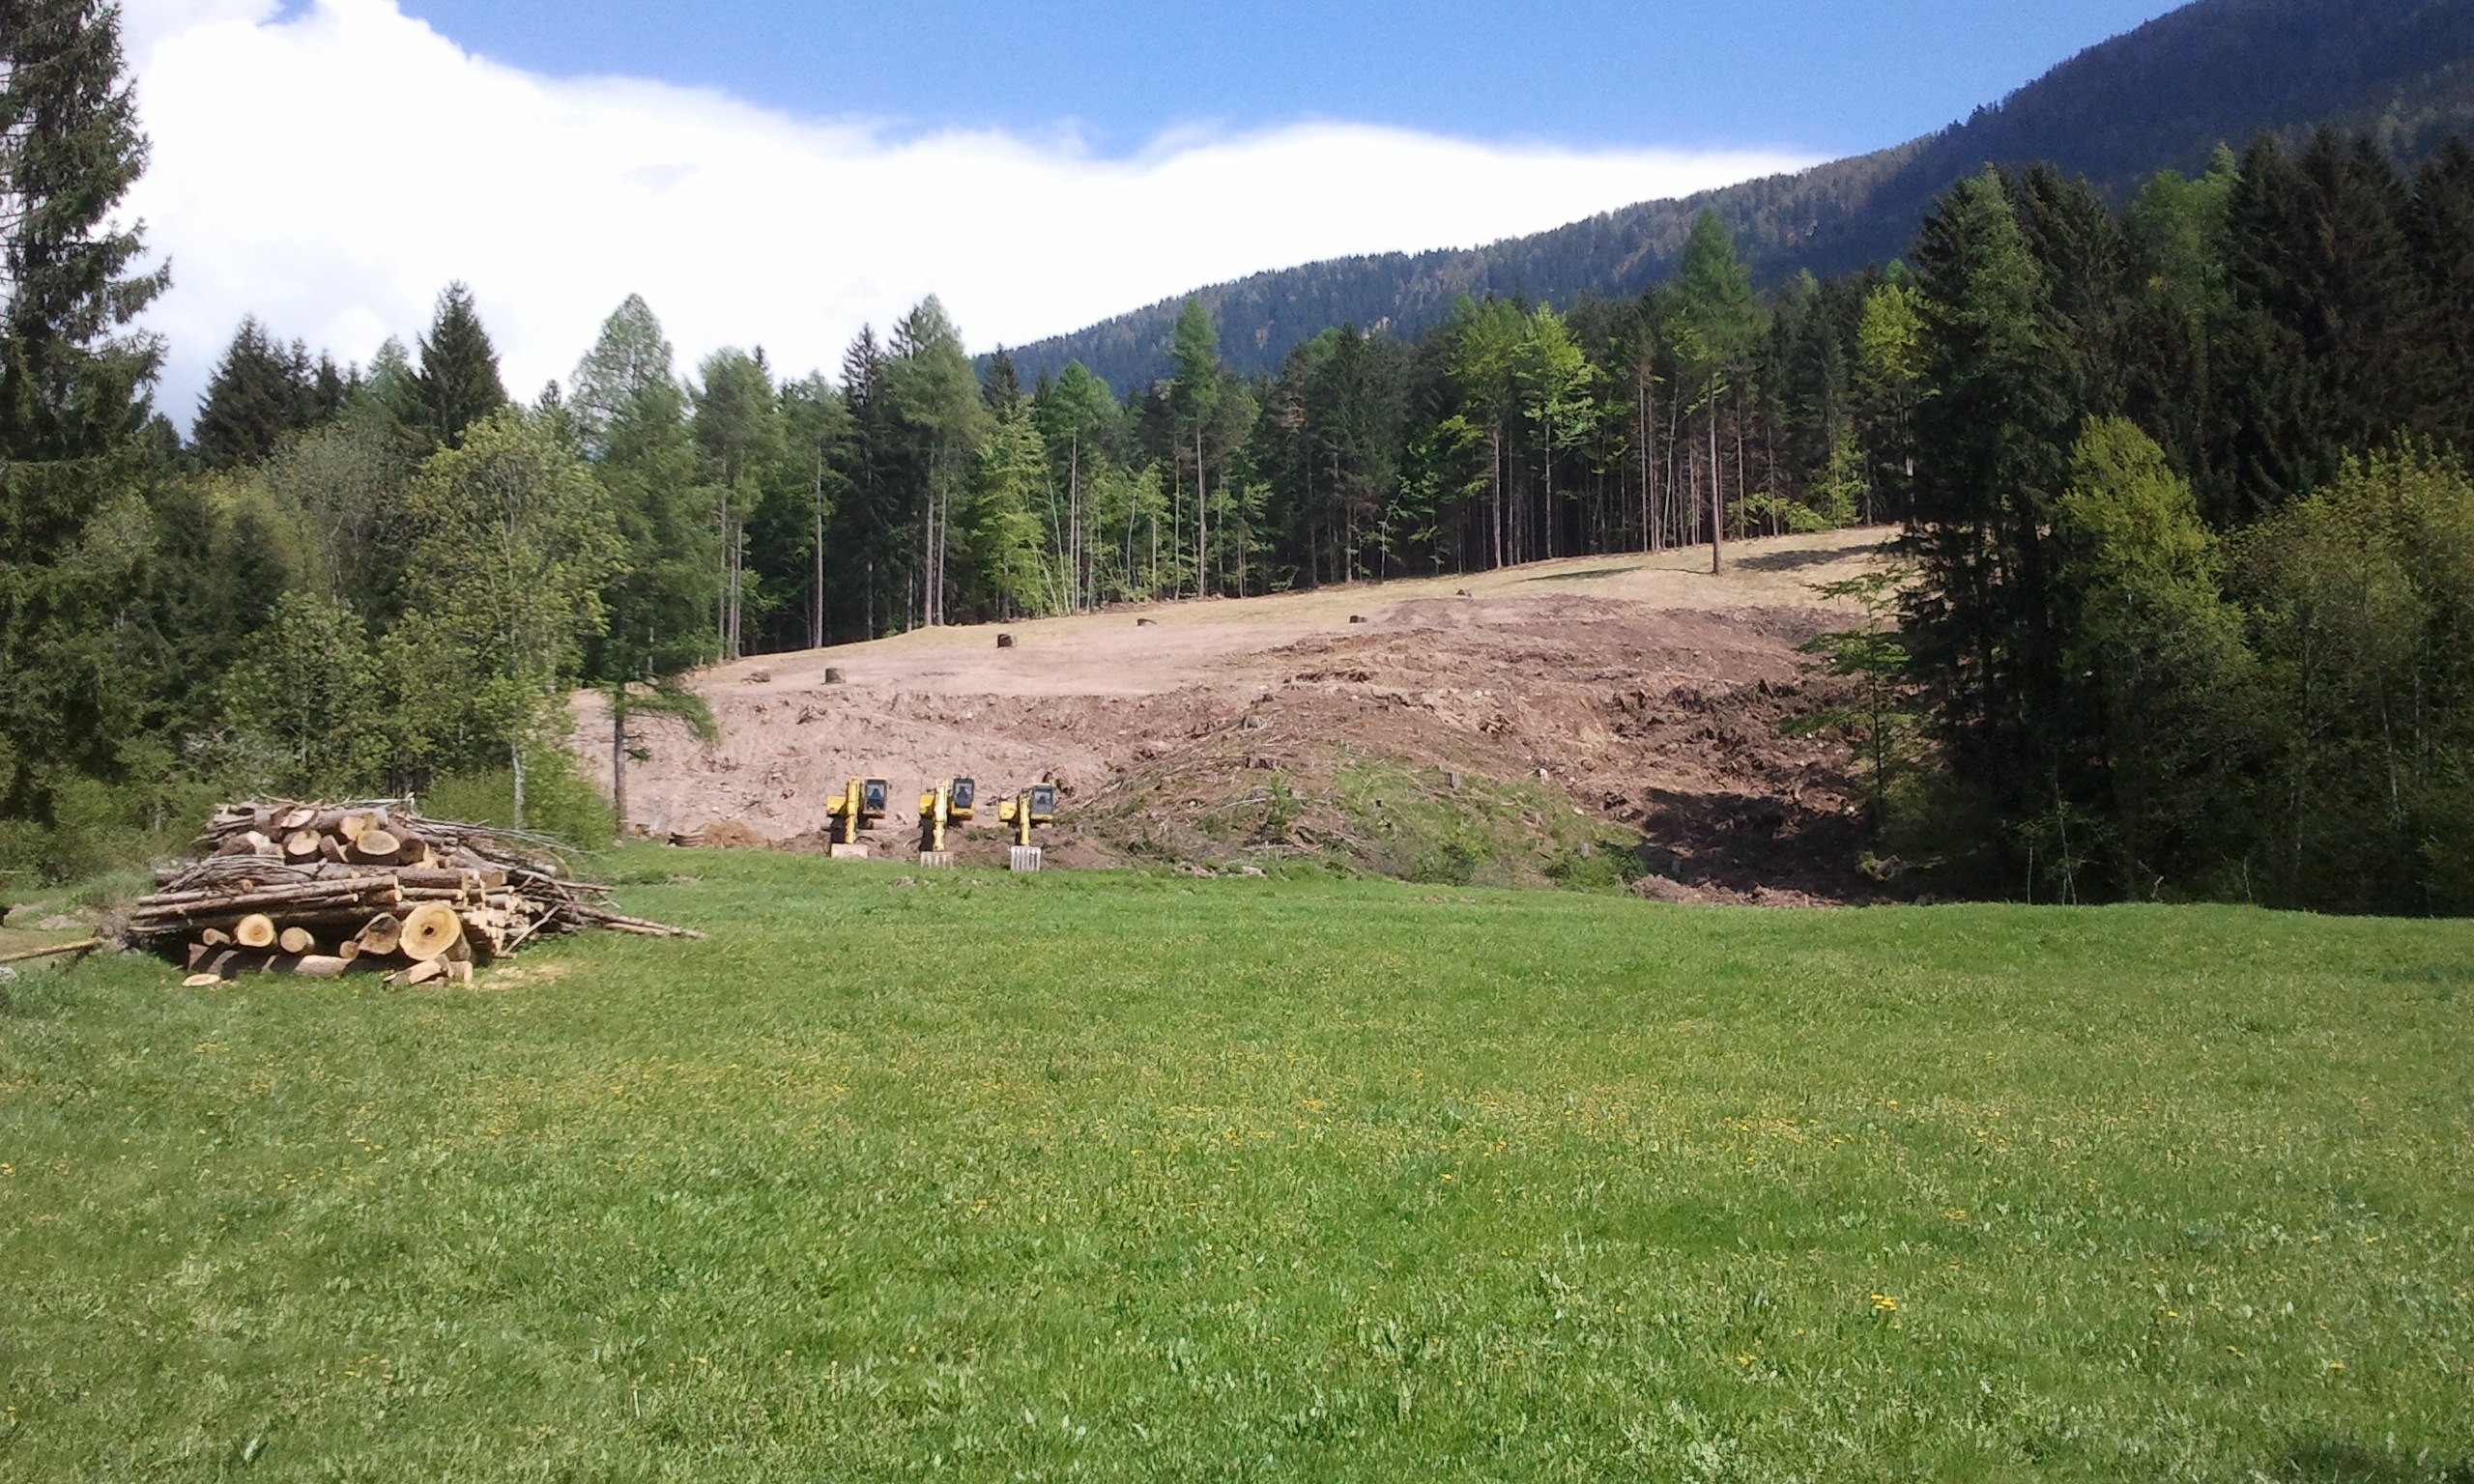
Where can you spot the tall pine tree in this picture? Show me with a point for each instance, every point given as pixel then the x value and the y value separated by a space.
pixel 630 421
pixel 260 391
pixel 79 674
pixel 458 382
pixel 1996 437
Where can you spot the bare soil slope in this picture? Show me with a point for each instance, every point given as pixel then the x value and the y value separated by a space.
pixel 1637 695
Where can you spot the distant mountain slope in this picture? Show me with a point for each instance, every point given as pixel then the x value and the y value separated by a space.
pixel 2162 96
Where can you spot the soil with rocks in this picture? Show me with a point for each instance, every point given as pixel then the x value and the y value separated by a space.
pixel 1652 695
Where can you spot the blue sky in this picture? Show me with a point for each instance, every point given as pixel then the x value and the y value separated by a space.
pixel 1825 77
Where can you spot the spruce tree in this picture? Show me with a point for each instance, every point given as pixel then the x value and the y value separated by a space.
pixel 1001 387
pixel 864 527
pixel 630 419
pixel 1717 320
pixel 1996 437
pixel 2078 244
pixel 260 391
pixel 72 384
pixel 458 382
pixel 2440 230
pixel 82 671
pixel 2323 307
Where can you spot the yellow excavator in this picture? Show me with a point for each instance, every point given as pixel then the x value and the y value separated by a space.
pixel 1025 810
pixel 950 803
pixel 860 805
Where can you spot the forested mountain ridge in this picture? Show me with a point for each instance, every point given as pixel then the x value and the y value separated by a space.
pixel 2162 96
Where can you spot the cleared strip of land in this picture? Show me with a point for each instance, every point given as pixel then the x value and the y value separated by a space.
pixel 1090 1175
pixel 1639 689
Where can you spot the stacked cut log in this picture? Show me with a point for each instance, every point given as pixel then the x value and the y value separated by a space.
pixel 318 889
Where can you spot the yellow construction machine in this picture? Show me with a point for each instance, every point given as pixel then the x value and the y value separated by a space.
pixel 860 805
pixel 950 803
pixel 1033 807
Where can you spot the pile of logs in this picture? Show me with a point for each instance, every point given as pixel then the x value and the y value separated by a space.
pixel 315 888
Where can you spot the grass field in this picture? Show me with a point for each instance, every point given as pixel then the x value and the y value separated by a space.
pixel 1116 1177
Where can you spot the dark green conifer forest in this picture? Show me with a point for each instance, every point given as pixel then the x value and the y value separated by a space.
pixel 2185 515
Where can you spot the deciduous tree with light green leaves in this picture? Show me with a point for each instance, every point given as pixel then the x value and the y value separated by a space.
pixel 516 542
pixel 307 700
pixel 1195 397
pixel 2165 650
pixel 1005 536
pixel 1079 423
pixel 1484 370
pixel 1557 386
pixel 2363 598
pixel 1889 368
pixel 738 435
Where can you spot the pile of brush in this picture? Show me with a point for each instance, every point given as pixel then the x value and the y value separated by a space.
pixel 316 887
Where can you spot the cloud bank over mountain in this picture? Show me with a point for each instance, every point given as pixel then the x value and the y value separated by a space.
pixel 330 167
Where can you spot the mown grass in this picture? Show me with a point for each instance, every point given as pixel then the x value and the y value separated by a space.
pixel 1124 1177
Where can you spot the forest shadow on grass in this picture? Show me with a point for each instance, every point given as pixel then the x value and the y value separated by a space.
pixel 1789 560
pixel 1590 574
pixel 2329 1461
pixel 1746 843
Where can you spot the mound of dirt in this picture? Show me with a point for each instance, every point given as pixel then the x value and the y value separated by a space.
pixel 723 834
pixel 1522 725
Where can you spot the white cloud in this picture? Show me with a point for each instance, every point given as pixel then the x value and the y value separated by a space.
pixel 329 169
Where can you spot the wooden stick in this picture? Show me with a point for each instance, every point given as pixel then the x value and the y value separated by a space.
pixel 83 945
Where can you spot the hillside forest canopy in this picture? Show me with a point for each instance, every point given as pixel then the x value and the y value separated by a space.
pixel 2184 604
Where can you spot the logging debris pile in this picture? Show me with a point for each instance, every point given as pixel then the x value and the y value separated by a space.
pixel 314 889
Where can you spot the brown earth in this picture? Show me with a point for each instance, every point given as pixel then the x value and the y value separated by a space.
pixel 1640 693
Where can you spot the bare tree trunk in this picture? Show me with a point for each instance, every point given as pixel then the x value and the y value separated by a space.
pixel 929 559
pixel 619 752
pixel 1739 422
pixel 722 613
pixel 1641 425
pixel 515 761
pixel 1202 520
pixel 1495 477
pixel 1546 492
pixel 1717 494
pixel 815 604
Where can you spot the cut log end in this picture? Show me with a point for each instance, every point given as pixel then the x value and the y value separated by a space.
pixel 381 937
pixel 430 930
pixel 255 930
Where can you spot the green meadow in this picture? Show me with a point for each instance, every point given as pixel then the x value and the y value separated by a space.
pixel 1133 1177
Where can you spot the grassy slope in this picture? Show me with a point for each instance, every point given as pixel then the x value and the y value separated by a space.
pixel 1120 1177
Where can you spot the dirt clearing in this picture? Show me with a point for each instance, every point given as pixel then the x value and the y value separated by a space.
pixel 1636 697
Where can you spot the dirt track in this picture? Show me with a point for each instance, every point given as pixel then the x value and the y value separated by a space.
pixel 1646 689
